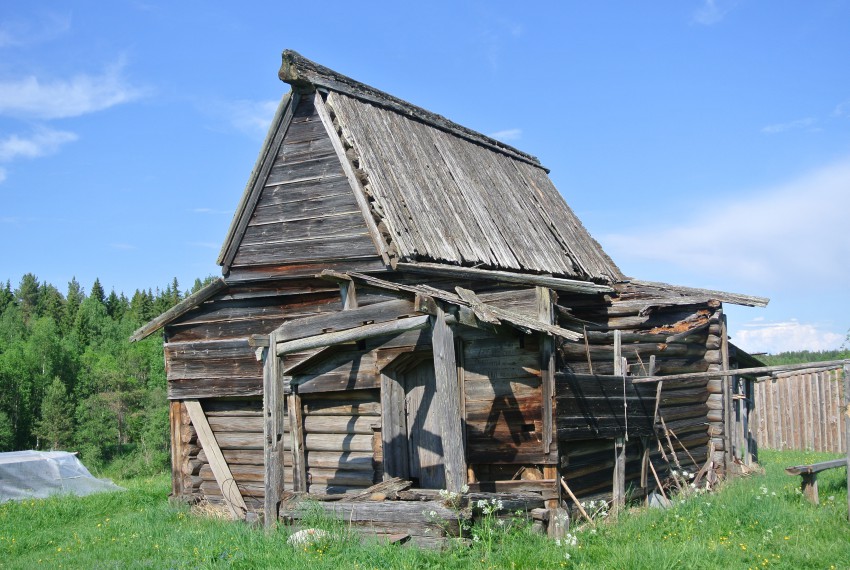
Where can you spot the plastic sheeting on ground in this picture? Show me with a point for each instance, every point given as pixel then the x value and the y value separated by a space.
pixel 39 474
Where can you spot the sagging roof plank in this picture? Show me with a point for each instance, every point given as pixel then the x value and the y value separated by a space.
pixel 763 371
pixel 194 300
pixel 557 283
pixel 667 294
pixel 354 334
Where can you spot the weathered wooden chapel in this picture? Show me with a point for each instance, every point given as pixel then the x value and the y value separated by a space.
pixel 408 305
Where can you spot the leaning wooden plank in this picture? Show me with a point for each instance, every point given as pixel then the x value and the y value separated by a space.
pixel 557 283
pixel 274 427
pixel 546 313
pixel 355 334
pixel 219 467
pixel 181 308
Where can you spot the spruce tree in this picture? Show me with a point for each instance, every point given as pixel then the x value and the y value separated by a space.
pixel 73 300
pixel 56 426
pixel 97 291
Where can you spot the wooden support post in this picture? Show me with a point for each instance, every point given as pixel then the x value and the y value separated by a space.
pixel 546 314
pixel 218 465
pixel 175 418
pixel 618 501
pixel 447 400
pixel 273 432
pixel 296 433
pixel 728 453
pixel 644 440
pixel 847 428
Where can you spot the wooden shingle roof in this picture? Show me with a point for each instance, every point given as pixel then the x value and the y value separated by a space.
pixel 434 191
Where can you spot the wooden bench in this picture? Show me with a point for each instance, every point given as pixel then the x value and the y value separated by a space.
pixel 809 473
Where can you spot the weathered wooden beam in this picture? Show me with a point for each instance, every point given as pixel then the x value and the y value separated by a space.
pixel 353 334
pixel 220 469
pixel 729 443
pixel 353 181
pixel 517 320
pixel 344 320
pixel 618 500
pixel 299 71
pixel 447 400
pixel 297 442
pixel 348 293
pixel 735 372
pixel 723 296
pixel 557 283
pixel 273 432
pixel 546 314
pixel 181 308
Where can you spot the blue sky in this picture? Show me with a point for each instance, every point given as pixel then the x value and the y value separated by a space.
pixel 703 143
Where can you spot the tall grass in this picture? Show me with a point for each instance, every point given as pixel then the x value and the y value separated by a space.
pixel 760 521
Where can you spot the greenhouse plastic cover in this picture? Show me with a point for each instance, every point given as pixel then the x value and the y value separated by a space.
pixel 39 474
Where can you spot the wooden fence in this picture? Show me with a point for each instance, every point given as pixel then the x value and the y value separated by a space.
pixel 802 411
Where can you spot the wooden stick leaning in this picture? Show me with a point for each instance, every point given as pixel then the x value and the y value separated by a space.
pixel 575 500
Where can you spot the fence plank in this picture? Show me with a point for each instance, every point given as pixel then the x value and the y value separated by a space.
pixel 802 412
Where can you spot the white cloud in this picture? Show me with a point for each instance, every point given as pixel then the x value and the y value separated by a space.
pixel 42 142
pixel 790 235
pixel 782 127
pixel 24 33
pixel 53 99
pixel 253 117
pixel 712 12
pixel 842 109
pixel 507 135
pixel 785 336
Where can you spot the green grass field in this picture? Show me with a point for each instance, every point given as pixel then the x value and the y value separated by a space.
pixel 759 521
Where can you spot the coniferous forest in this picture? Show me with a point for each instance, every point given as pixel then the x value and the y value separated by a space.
pixel 69 378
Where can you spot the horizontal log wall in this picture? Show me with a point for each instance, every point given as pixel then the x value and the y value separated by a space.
pixel 693 415
pixel 342 440
pixel 802 412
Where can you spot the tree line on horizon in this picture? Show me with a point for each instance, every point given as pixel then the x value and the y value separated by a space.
pixel 70 379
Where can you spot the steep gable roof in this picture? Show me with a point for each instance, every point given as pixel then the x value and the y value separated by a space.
pixel 430 190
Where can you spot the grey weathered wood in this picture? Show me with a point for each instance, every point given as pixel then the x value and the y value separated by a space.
pixel 729 443
pixel 520 321
pixel 348 293
pixel 448 401
pixel 181 308
pixel 356 187
pixel 297 442
pixel 557 283
pixel 393 428
pixel 546 313
pixel 219 466
pixel 280 123
pixel 734 298
pixel 354 334
pixel 847 427
pixel 344 320
pixel 734 372
pixel 619 480
pixel 274 427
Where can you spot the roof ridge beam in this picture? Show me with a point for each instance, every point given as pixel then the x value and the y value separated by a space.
pixel 301 72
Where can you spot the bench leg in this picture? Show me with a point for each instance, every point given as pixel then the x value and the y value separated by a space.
pixel 810 487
